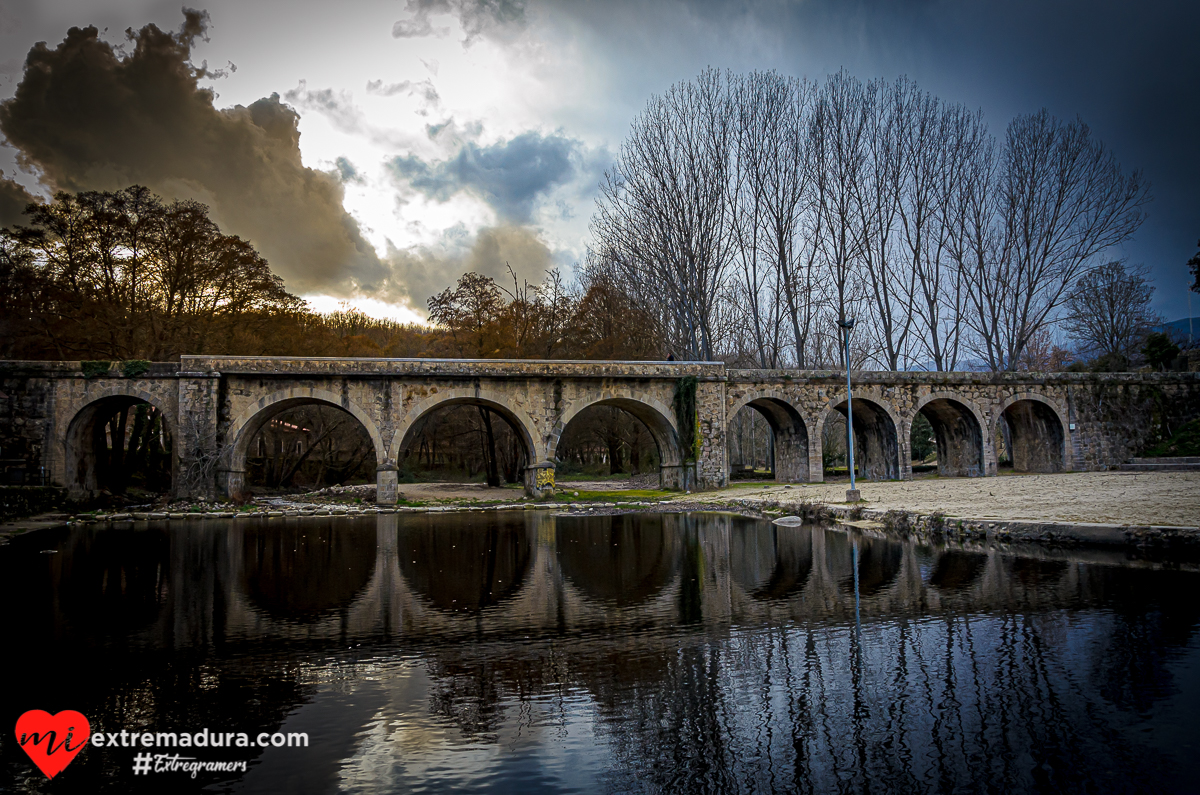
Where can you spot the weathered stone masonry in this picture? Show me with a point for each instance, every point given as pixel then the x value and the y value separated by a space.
pixel 215 406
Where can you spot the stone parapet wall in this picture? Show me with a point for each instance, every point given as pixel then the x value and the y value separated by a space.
pixel 836 377
pixel 74 369
pixel 453 368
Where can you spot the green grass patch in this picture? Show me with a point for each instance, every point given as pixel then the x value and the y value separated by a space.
pixel 585 477
pixel 1185 442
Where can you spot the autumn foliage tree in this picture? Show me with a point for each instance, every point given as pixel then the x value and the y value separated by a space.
pixel 123 275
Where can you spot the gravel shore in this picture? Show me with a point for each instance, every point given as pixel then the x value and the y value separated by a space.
pixel 1120 498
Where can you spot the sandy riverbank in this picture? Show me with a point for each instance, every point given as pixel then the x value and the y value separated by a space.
pixel 1129 498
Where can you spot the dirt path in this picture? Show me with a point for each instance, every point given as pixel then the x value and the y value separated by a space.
pixel 1158 498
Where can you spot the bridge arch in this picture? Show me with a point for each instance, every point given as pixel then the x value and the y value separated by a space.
pixel 251 420
pixel 1037 432
pixel 658 418
pixel 80 471
pixel 959 429
pixel 517 419
pixel 876 433
pixel 787 425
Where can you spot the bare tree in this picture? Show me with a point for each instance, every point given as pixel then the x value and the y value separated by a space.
pixel 938 142
pixel 746 215
pixel 789 230
pixel 662 216
pixel 1061 200
pixel 893 118
pixel 758 100
pixel 839 133
pixel 1108 312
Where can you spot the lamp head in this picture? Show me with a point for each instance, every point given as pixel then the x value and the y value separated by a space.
pixel 846 324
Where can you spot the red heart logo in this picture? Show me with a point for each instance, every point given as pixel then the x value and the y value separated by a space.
pixel 52 741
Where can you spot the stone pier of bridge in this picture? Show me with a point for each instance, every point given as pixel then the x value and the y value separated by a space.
pixel 214 406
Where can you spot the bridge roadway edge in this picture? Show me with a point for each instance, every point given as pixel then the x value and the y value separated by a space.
pixel 1089 421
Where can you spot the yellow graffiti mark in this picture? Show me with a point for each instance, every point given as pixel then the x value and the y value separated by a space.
pixel 544 478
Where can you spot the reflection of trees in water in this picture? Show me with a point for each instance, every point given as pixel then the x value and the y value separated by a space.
pixel 1058 674
pixel 301 571
pixel 980 704
pixel 623 560
pixel 671 733
pixel 768 561
pixel 470 696
pixel 466 562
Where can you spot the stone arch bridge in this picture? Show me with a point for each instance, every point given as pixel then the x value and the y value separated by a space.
pixel 213 406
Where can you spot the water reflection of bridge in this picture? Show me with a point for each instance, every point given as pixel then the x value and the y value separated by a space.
pixel 480 575
pixel 687 637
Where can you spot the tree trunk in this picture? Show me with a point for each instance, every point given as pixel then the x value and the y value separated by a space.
pixel 614 454
pixel 139 440
pixel 489 448
pixel 100 452
pixel 117 426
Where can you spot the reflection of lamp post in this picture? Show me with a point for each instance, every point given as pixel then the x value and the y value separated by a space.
pixel 852 495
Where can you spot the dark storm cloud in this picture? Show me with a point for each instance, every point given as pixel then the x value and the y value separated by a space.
pixel 475 16
pixel 510 175
pixel 91 117
pixel 13 201
pixel 1129 70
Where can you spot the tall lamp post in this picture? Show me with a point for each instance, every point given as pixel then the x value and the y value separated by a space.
pixel 852 495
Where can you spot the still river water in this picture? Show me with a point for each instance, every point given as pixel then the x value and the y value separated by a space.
pixel 525 652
